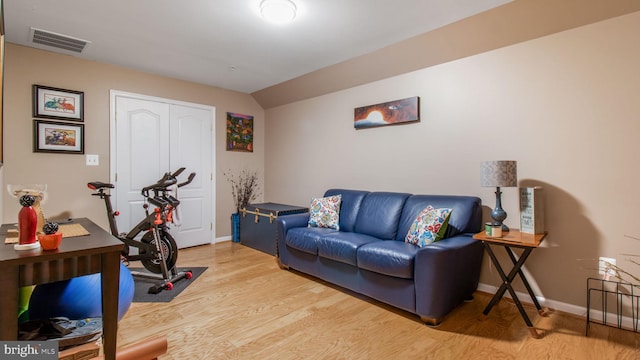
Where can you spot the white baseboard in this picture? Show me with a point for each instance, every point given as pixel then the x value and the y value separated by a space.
pixel 221 239
pixel 524 297
pixel 596 315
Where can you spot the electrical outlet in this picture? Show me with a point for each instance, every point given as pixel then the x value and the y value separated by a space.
pixel 604 266
pixel 93 160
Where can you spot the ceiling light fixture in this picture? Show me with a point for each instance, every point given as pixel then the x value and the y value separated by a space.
pixel 278 11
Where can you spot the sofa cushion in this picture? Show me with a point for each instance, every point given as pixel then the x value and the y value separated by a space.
pixel 306 238
pixel 393 258
pixel 343 246
pixel 379 214
pixel 351 200
pixel 325 212
pixel 429 226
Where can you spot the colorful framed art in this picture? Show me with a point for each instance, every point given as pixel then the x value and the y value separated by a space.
pixel 239 132
pixel 60 104
pixel 56 137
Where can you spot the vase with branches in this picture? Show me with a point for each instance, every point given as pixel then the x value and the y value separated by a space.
pixel 244 189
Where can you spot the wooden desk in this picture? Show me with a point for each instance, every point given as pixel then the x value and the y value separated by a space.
pixel 98 252
pixel 513 239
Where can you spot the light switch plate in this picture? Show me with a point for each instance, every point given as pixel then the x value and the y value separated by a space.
pixel 93 160
pixel 604 266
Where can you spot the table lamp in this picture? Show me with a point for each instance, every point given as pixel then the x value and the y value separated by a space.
pixel 500 173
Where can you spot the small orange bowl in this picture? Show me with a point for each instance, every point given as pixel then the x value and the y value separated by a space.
pixel 50 241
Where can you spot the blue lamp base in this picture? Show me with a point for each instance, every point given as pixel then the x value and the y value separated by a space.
pixel 498 214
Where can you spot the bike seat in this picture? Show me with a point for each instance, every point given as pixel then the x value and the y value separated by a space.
pixel 96 185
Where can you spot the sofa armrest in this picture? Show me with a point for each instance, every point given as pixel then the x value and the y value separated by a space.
pixel 283 224
pixel 446 273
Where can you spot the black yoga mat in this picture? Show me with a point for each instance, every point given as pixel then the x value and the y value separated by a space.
pixel 142 286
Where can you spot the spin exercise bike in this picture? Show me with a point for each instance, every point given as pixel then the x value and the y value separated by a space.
pixel 157 250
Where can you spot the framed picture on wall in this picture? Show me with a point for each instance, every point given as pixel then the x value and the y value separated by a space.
pixel 1 77
pixel 239 132
pixel 389 113
pixel 55 137
pixel 54 103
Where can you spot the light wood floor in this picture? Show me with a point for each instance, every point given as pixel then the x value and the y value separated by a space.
pixel 245 307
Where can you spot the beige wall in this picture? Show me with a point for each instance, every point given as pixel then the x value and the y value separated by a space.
pixel 67 175
pixel 564 106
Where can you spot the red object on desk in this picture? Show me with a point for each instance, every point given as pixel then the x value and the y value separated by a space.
pixel 27 221
pixel 50 241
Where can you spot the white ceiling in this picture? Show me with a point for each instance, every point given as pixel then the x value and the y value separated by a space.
pixel 225 43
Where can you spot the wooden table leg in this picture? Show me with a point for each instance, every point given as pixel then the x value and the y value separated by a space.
pixel 523 313
pixel 110 269
pixel 498 295
pixel 523 278
pixel 534 333
pixel 9 303
pixel 506 285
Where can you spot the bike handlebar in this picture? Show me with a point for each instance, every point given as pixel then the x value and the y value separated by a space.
pixel 167 180
pixel 178 172
pixel 162 184
pixel 189 180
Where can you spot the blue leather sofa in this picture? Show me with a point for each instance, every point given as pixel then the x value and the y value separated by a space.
pixel 369 256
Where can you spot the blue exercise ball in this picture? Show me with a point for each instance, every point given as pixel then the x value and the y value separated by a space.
pixel 78 298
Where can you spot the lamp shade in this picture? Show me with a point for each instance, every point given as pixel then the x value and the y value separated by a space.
pixel 500 173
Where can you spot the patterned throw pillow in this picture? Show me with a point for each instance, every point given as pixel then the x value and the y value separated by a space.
pixel 325 212
pixel 429 226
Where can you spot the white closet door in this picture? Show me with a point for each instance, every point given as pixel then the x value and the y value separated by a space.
pixel 191 148
pixel 154 136
pixel 142 154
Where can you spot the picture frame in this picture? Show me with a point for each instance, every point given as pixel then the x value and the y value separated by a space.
pixel 57 137
pixel 395 112
pixel 56 103
pixel 239 132
pixel 2 51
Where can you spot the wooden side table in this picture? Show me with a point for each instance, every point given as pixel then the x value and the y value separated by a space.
pixel 513 239
pixel 98 252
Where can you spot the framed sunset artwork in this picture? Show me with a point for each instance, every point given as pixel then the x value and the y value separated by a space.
pixel 388 113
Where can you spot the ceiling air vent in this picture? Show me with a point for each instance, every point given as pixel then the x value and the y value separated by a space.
pixel 58 41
